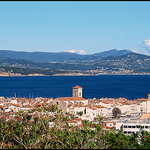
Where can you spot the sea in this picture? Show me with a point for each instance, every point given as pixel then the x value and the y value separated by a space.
pixel 101 86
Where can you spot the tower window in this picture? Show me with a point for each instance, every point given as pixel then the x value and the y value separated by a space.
pixel 85 111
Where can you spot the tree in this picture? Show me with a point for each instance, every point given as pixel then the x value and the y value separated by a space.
pixel 80 113
pixel 35 134
pixel 118 140
pixel 116 112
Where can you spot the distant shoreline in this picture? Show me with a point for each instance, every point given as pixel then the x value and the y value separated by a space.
pixel 70 75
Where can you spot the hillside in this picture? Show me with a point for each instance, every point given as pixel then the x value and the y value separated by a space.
pixel 58 57
pixel 113 52
pixel 125 64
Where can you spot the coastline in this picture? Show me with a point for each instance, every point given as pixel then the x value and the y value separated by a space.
pixel 67 75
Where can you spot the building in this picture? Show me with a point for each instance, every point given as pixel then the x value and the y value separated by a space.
pixel 77 91
pixel 133 126
pixel 70 104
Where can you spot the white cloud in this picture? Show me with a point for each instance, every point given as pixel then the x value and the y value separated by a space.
pixel 134 50
pixel 147 44
pixel 71 51
pixel 140 52
pixel 76 51
pixel 82 52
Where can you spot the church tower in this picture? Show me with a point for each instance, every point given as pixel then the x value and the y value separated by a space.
pixel 148 104
pixel 149 96
pixel 77 91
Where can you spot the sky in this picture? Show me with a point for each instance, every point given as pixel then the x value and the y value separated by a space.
pixel 84 27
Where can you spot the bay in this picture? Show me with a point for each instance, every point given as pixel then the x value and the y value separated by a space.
pixel 111 86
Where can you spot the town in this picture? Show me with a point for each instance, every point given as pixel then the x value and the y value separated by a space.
pixel 120 114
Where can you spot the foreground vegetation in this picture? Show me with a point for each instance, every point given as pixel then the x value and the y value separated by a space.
pixel 33 132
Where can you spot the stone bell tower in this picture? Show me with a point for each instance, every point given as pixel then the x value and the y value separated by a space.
pixel 77 91
pixel 149 96
pixel 148 104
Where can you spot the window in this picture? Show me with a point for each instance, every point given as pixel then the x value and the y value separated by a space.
pixel 129 126
pixel 133 126
pixel 57 103
pixel 85 111
pixel 125 126
pixel 133 133
pixel 146 127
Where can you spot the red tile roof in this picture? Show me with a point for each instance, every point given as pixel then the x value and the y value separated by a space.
pixel 16 105
pixel 78 119
pixel 71 98
pixel 141 99
pixel 39 104
pixel 98 106
pixel 78 106
pixel 145 116
pixel 76 87
pixel 108 127
pixel 28 106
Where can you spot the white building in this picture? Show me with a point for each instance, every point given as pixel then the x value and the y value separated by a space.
pixel 134 126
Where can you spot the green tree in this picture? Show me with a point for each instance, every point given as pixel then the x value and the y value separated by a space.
pixel 118 140
pixel 80 113
pixel 116 111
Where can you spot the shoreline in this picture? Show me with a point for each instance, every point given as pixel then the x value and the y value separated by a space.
pixel 69 75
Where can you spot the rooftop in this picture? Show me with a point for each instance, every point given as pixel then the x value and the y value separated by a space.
pixel 71 98
pixel 145 116
pixel 76 87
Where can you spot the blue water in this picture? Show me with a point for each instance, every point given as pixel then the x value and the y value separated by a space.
pixel 114 86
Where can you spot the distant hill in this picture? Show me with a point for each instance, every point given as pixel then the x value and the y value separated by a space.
pixel 113 52
pixel 129 63
pixel 58 57
pixel 38 56
pixel 108 62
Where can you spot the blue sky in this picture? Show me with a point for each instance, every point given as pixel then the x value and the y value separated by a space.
pixel 84 27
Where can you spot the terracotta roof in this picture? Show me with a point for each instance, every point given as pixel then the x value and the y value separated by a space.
pixel 39 104
pixel 98 106
pixel 78 119
pixel 124 103
pixel 81 124
pixel 28 106
pixel 108 127
pixel 145 116
pixel 141 99
pixel 16 105
pixel 75 87
pixel 78 106
pixel 68 105
pixel 71 98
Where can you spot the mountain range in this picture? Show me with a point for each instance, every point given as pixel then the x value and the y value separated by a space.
pixel 108 62
pixel 60 56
